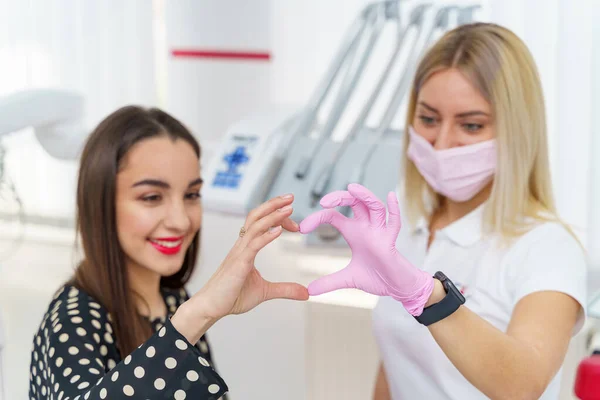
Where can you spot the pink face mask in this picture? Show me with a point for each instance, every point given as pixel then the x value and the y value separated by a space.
pixel 458 173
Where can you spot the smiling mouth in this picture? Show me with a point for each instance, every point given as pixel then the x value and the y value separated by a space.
pixel 168 246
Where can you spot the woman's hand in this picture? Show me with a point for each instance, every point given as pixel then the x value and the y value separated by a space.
pixel 376 266
pixel 237 286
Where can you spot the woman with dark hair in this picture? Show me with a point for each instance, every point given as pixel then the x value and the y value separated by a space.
pixel 124 326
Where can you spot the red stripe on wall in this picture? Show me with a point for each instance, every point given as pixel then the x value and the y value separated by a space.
pixel 222 54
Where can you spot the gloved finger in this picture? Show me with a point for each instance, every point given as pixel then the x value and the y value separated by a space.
pixel 342 198
pixel 331 217
pixel 338 280
pixel 394 221
pixel 376 208
pixel 285 290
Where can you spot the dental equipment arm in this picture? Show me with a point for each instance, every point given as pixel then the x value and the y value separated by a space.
pixel 442 21
pixel 55 116
pixel 416 21
pixel 372 18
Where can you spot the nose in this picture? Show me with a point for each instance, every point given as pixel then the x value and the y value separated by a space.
pixel 443 140
pixel 177 218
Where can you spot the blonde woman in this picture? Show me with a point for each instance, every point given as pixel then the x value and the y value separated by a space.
pixel 496 320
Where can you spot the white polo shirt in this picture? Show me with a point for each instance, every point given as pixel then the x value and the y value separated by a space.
pixel 492 279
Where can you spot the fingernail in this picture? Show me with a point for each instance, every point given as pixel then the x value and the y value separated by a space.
pixel 287 196
pixel 285 209
pixel 274 230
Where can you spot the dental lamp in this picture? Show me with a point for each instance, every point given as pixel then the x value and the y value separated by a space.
pixel 55 116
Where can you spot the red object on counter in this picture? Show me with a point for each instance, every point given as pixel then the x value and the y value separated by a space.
pixel 587 381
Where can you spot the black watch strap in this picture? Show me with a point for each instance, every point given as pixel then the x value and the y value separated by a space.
pixel 448 305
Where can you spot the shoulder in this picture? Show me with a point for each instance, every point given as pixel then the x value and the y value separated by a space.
pixel 549 238
pixel 547 258
pixel 73 310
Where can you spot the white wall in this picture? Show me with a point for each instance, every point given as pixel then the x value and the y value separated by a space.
pixel 104 49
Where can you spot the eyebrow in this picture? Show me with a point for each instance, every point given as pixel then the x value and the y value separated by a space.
pixel 163 184
pixel 461 115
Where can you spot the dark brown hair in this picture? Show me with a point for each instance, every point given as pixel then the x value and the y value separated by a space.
pixel 102 273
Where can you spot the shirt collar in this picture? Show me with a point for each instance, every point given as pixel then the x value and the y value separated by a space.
pixel 465 231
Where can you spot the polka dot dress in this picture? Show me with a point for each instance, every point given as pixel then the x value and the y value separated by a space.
pixel 75 357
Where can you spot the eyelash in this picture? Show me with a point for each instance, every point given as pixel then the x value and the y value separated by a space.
pixel 429 121
pixel 155 197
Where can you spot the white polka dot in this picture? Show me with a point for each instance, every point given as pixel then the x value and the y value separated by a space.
pixel 203 361
pixel 38 340
pixel 139 372
pixel 128 390
pixel 181 345
pixel 213 388
pixel 51 352
pixel 38 381
pixel 81 332
pixel 103 393
pixel 127 359
pixel 192 376
pixel 73 350
pixel 76 320
pixel 180 395
pixel 111 364
pixel 74 292
pixel 41 365
pixel 170 363
pixel 75 378
pixel 97 338
pixel 150 352
pixel 72 306
pixel 83 385
pixel 60 395
pixel 94 371
pixel 89 347
pixel 87 396
pixel 63 338
pixel 96 324
pixel 115 376
pixel 44 390
pixel 108 338
pixel 203 347
pixel 162 331
pixel 171 300
pixel 109 327
pixel 59 362
pixel 100 363
pixel 95 305
pixel 103 350
pixel 56 386
pixel 84 361
pixel 95 313
pixel 159 384
pixel 73 312
pixel 34 371
pixel 67 372
pixel 35 356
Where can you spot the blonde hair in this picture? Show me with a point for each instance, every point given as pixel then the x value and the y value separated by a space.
pixel 501 67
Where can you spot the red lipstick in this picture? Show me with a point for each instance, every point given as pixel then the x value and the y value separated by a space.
pixel 168 245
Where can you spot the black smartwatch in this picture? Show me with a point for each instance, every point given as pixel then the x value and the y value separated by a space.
pixel 438 311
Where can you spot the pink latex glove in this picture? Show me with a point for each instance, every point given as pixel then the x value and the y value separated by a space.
pixel 376 266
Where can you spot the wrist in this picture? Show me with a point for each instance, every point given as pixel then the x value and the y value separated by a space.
pixel 191 323
pixel 437 294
